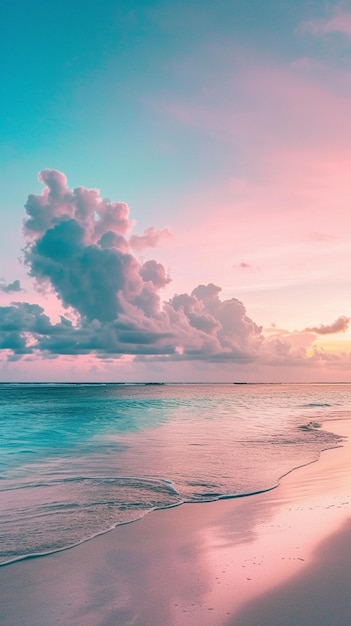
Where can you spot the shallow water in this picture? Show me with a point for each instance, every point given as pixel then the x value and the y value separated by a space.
pixel 76 460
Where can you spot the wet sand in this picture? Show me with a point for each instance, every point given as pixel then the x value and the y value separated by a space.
pixel 281 557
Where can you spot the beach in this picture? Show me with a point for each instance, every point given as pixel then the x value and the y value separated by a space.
pixel 279 557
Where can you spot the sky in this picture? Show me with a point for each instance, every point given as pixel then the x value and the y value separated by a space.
pixel 175 191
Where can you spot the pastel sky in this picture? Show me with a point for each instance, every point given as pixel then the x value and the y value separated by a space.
pixel 175 190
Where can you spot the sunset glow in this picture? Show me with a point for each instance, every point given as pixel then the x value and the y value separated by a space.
pixel 191 217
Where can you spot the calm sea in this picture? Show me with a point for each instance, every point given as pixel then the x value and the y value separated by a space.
pixel 77 460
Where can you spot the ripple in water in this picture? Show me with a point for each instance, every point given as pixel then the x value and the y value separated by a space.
pixel 78 460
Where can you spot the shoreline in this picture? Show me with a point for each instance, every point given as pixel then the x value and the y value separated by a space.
pixel 188 564
pixel 219 498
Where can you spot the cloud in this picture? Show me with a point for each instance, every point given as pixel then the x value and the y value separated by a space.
pixel 222 328
pixel 245 266
pixel 80 246
pixel 150 239
pixel 323 237
pixel 339 326
pixel 338 22
pixel 13 287
pixel 16 321
pixel 154 272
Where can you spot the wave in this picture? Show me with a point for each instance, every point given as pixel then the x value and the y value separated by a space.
pixel 201 499
pixel 206 498
pixel 316 404
pixel 107 463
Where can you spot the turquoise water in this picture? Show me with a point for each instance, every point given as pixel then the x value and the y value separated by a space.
pixel 76 460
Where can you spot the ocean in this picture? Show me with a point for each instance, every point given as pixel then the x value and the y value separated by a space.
pixel 76 460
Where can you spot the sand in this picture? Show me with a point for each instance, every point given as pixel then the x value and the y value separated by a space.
pixel 281 558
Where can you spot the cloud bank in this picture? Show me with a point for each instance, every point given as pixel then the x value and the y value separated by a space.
pixel 80 246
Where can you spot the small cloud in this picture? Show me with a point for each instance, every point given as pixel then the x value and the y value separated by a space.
pixel 339 22
pixel 245 266
pixel 150 238
pixel 13 287
pixel 315 236
pixel 306 64
pixel 339 326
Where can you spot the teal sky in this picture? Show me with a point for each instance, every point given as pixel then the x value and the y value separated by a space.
pixel 84 84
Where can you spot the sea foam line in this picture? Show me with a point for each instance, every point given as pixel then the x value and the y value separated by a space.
pixel 170 506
